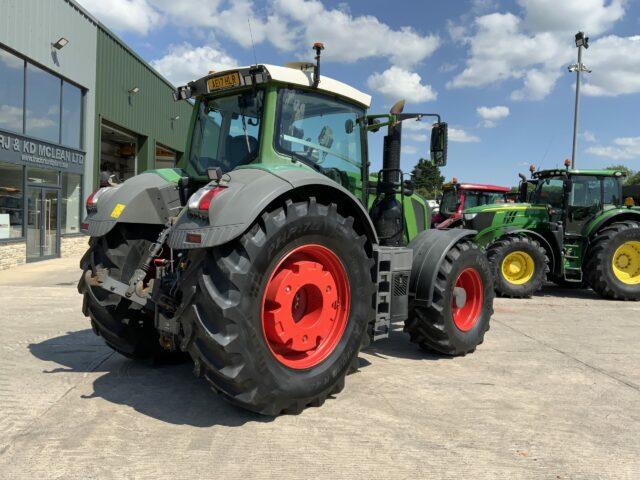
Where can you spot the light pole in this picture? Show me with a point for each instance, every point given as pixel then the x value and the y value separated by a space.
pixel 581 42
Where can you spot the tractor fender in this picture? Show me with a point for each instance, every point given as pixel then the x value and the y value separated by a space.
pixel 616 216
pixel 535 235
pixel 429 250
pixel 247 193
pixel 144 199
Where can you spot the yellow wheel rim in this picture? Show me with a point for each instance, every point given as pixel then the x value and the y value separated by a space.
pixel 626 263
pixel 518 267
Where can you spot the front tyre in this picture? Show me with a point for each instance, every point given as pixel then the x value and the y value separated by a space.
pixel 458 317
pixel 277 316
pixel 519 265
pixel 613 261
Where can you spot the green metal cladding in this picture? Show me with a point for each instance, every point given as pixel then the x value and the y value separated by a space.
pixel 148 113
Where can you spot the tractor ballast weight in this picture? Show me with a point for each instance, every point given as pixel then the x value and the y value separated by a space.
pixel 259 258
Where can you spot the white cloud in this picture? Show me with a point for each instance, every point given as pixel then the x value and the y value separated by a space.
pixel 348 38
pixel 615 62
pixel 461 136
pixel 289 25
pixel 492 115
pixel 184 62
pixel 137 16
pixel 409 149
pixel 588 136
pixel 625 148
pixel 592 16
pixel 533 48
pixel 397 83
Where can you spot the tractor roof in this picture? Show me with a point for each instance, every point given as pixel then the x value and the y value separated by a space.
pixel 561 171
pixel 478 186
pixel 301 76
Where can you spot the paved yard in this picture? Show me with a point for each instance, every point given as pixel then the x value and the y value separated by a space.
pixel 554 392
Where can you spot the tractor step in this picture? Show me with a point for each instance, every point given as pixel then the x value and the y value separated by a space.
pixel 392 298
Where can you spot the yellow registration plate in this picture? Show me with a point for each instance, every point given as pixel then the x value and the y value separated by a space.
pixel 226 81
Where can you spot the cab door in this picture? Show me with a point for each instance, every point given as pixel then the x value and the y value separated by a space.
pixel 584 202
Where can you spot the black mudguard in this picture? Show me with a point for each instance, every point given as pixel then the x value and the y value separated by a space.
pixel 144 199
pixel 429 250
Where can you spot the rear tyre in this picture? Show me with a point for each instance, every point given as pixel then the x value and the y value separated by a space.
pixel 124 325
pixel 613 261
pixel 519 265
pixel 458 317
pixel 277 317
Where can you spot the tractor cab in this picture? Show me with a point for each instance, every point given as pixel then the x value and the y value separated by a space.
pixel 457 197
pixel 576 197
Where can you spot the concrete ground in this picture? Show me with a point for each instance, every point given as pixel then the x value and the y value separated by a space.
pixel 554 392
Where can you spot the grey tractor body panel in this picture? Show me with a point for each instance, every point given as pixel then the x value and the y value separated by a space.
pixel 247 193
pixel 429 250
pixel 144 199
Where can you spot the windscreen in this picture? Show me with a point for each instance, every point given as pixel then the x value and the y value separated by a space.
pixel 227 131
pixel 476 198
pixel 323 132
pixel 449 202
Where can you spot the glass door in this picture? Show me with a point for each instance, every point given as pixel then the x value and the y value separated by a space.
pixel 42 223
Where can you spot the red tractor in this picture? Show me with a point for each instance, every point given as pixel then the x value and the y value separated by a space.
pixel 457 197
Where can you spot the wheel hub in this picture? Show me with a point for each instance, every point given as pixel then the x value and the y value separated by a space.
pixel 467 299
pixel 305 306
pixel 626 263
pixel 518 267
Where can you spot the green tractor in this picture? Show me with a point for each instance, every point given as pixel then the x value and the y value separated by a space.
pixel 258 255
pixel 573 225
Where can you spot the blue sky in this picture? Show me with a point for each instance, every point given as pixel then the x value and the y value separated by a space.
pixel 495 69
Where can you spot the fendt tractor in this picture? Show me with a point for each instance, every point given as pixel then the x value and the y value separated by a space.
pixel 258 257
pixel 574 226
pixel 456 197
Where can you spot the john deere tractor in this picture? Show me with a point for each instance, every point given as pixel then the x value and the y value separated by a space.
pixel 258 255
pixel 576 227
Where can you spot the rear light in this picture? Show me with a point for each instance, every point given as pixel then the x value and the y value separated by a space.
pixel 92 200
pixel 200 201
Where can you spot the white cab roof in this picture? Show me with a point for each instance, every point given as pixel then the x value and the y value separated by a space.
pixel 305 78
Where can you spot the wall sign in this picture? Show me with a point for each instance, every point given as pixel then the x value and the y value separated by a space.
pixel 29 151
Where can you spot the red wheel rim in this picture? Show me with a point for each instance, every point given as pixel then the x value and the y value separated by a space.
pixel 466 316
pixel 305 306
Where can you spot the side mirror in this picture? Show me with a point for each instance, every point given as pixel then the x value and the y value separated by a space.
pixel 439 139
pixel 407 188
pixel 348 126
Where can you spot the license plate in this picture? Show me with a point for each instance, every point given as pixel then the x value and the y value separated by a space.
pixel 226 81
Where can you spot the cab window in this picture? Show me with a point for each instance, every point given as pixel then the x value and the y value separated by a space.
pixel 322 132
pixel 550 191
pixel 585 191
pixel 612 190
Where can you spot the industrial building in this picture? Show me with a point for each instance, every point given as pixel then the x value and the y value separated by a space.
pixel 74 101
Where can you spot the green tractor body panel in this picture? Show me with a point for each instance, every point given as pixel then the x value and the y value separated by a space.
pixel 609 215
pixel 491 221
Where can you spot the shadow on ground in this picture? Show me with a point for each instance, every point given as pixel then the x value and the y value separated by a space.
pixel 563 292
pixel 170 393
pixel 398 345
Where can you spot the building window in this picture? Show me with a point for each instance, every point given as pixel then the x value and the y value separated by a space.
pixel 41 175
pixel 165 157
pixel 11 201
pixel 71 196
pixel 71 115
pixel 43 104
pixel 11 91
